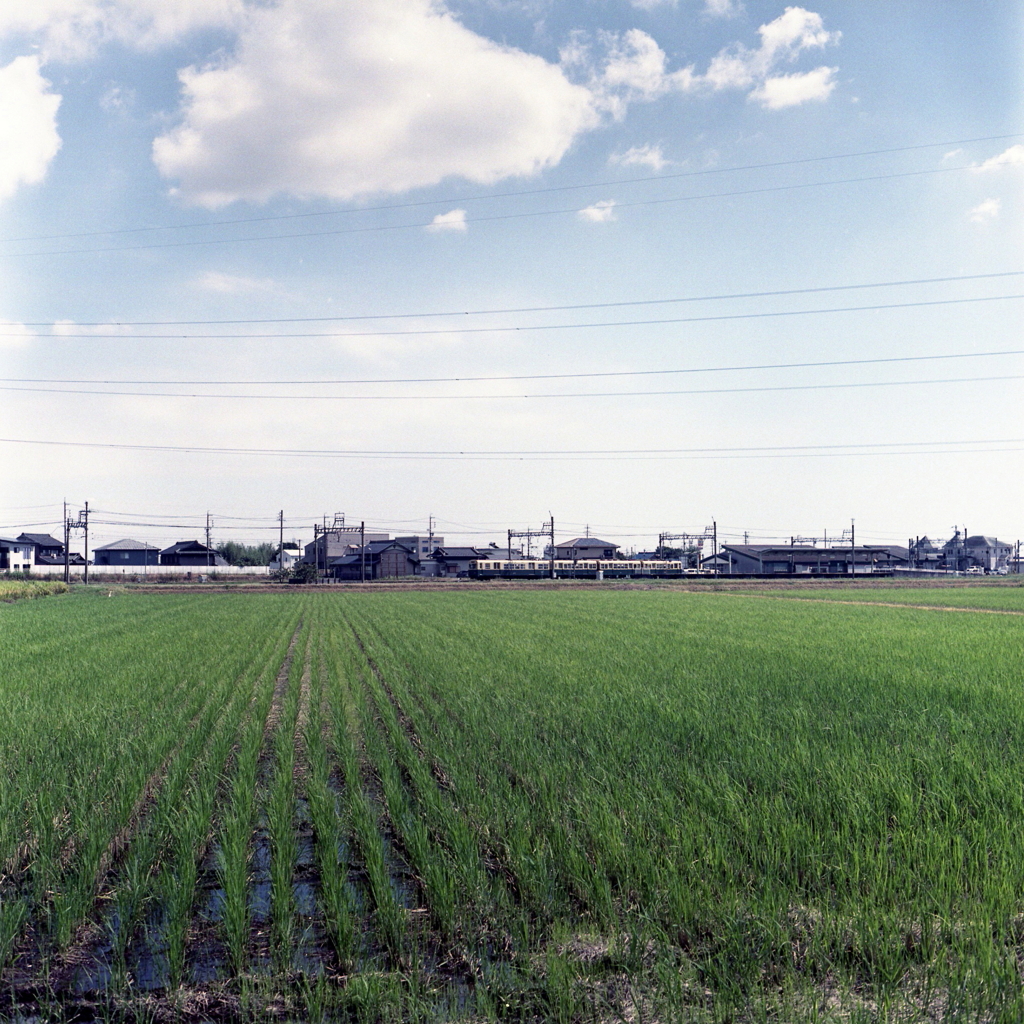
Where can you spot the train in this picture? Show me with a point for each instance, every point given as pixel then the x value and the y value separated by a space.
pixel 582 569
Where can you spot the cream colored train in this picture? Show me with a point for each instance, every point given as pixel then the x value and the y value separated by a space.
pixel 582 569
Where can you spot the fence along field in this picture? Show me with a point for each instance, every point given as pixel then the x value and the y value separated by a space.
pixel 512 806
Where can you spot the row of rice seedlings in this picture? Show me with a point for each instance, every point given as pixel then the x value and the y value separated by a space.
pixel 194 825
pixel 438 826
pixel 280 809
pixel 234 854
pixel 133 885
pixel 329 824
pixel 430 862
pixel 187 821
pixel 389 917
pixel 545 847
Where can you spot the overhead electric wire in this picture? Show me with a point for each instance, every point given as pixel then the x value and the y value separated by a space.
pixel 718 317
pixel 872 449
pixel 371 228
pixel 527 309
pixel 607 183
pixel 521 397
pixel 516 376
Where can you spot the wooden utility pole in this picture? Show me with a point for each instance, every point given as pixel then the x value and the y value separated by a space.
pixel 85 523
pixel 552 569
pixel 67 543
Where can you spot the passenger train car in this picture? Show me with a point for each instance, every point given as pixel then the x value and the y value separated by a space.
pixel 583 569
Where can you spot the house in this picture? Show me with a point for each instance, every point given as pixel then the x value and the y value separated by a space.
pixel 382 559
pixel 16 555
pixel 289 554
pixel 925 555
pixel 758 559
pixel 986 553
pixel 191 552
pixel 585 548
pixel 423 547
pixel 47 550
pixel 455 561
pixel 127 553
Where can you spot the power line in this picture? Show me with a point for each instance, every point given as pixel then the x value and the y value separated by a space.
pixel 607 183
pixel 530 327
pixel 371 228
pixel 527 309
pixel 509 377
pixel 771 451
pixel 520 397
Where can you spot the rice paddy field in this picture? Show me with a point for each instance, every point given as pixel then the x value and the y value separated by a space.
pixel 581 805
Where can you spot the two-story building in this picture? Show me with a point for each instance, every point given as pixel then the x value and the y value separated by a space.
pixel 126 554
pixel 580 548
pixel 16 555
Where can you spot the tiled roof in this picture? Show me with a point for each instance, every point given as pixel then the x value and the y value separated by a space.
pixel 127 545
pixel 42 539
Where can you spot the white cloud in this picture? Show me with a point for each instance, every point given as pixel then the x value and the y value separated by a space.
pixel 634 67
pixel 722 8
pixel 986 211
pixel 68 328
pixel 232 284
pixel 453 220
pixel 1012 157
pixel 650 5
pixel 28 125
pixel 365 96
pixel 600 213
pixel 74 29
pixel 782 41
pixel 791 90
pixel 14 336
pixel 641 156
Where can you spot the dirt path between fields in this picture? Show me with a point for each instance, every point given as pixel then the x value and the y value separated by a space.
pixel 880 604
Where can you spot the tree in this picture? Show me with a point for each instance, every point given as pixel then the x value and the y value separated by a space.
pixel 246 554
pixel 304 572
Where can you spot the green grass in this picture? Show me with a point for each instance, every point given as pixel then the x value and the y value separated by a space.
pixel 16 589
pixel 614 804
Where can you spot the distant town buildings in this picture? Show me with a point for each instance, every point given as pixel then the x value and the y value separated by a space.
pixel 342 552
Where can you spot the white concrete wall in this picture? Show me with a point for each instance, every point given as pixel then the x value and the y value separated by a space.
pixel 130 571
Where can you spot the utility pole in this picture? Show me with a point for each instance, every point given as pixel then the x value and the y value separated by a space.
pixel 853 551
pixel 85 524
pixel 209 553
pixel 552 569
pixel 280 542
pixel 430 533
pixel 67 542
pixel 362 551
pixel 714 553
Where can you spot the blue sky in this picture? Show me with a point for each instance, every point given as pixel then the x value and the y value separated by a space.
pixel 246 227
